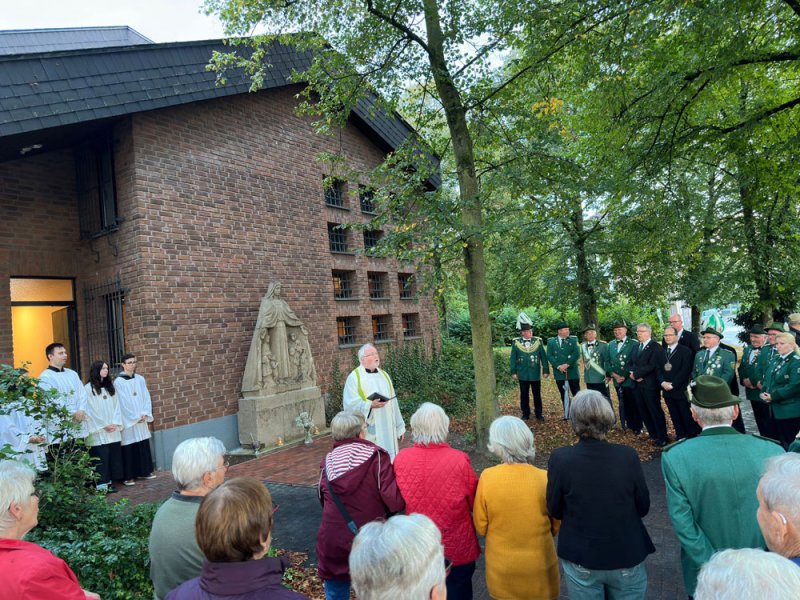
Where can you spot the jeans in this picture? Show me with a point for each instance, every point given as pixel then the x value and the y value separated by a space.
pixel 595 584
pixel 336 590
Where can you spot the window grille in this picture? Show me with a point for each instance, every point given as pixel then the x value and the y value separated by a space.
pixel 410 325
pixel 342 285
pixel 367 200
pixel 405 282
pixel 334 193
pixel 94 174
pixel 105 322
pixel 346 330
pixel 371 238
pixel 377 289
pixel 337 238
pixel 381 327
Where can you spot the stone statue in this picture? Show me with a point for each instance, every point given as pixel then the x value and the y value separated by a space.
pixel 296 352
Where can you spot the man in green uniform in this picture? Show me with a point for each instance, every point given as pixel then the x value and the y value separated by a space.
pixel 619 351
pixel 713 360
pixel 712 480
pixel 528 360
pixel 563 353
pixel 751 374
pixel 594 353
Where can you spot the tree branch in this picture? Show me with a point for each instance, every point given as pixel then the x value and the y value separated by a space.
pixel 391 20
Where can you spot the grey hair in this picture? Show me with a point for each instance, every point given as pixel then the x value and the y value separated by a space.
pixel 16 487
pixel 399 558
pixel 193 458
pixel 511 440
pixel 780 486
pixel 740 573
pixel 363 350
pixel 645 326
pixel 675 331
pixel 430 424
pixel 591 415
pixel 714 416
pixel 346 425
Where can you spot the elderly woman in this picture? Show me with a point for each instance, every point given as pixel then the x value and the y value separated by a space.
pixel 779 506
pixel 356 486
pixel 28 571
pixel 781 389
pixel 598 491
pixel 401 558
pixel 234 531
pixel 439 482
pixel 742 573
pixel 510 512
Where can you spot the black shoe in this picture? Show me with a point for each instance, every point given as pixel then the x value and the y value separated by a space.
pixel 660 443
pixel 526 417
pixel 539 418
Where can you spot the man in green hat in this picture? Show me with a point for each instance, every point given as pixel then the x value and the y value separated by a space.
pixel 751 374
pixel 713 359
pixel 712 479
pixel 528 361
pixel 619 351
pixel 594 353
pixel 563 354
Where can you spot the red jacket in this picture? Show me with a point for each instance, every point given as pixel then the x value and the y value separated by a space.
pixel 29 572
pixel 362 477
pixel 439 482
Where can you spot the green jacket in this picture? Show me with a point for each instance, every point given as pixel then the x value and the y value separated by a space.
pixel 711 494
pixel 569 355
pixel 752 370
pixel 617 360
pixel 722 364
pixel 594 363
pixel 782 381
pixel 528 359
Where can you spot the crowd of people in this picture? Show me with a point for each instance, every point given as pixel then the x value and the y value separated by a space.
pixel 404 522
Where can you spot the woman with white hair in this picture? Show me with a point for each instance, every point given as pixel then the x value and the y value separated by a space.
pixel 511 512
pixel 438 481
pixel 28 571
pixel 399 558
pixel 781 389
pixel 356 486
pixel 599 492
pixel 746 574
pixel 779 506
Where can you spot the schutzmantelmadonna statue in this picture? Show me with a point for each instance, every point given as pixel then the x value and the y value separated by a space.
pixel 279 380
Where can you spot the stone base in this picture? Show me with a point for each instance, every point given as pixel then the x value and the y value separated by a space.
pixel 268 418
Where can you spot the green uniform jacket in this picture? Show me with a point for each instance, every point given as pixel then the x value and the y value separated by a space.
pixel 594 365
pixel 782 381
pixel 722 364
pixel 753 371
pixel 711 494
pixel 528 358
pixel 617 361
pixel 569 355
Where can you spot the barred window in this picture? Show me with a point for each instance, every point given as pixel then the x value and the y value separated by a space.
pixel 371 238
pixel 334 192
pixel 346 330
pixel 377 286
pixel 410 325
pixel 337 237
pixel 367 199
pixel 381 327
pixel 94 177
pixel 342 285
pixel 105 322
pixel 405 282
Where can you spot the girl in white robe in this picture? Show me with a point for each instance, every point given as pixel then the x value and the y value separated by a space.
pixel 104 423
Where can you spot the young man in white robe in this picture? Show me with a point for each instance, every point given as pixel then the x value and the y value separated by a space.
pixel 25 439
pixel 137 412
pixel 71 395
pixel 385 425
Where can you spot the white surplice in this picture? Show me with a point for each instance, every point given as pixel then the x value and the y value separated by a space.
pixel 103 409
pixel 385 425
pixel 71 395
pixel 134 403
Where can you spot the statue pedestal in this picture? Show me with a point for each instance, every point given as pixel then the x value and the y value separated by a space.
pixel 269 417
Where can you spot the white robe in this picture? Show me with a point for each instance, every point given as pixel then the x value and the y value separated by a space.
pixel 103 409
pixel 16 428
pixel 71 395
pixel 134 403
pixel 385 425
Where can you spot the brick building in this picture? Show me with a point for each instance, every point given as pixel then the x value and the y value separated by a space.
pixel 144 209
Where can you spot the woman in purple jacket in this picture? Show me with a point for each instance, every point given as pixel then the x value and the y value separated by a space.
pixel 359 475
pixel 234 531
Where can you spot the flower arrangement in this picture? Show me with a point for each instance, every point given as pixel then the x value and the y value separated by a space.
pixel 304 420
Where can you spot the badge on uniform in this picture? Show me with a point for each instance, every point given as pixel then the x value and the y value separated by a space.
pixel 668 367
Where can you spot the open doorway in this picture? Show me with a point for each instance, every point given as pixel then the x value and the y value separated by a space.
pixel 43 312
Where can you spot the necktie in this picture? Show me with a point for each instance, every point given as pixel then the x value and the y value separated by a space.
pixel 641 347
pixel 669 352
pixel 561 342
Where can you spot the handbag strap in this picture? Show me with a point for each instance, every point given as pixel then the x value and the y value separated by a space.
pixel 351 525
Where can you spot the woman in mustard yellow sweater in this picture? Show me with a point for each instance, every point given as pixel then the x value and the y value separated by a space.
pixel 511 513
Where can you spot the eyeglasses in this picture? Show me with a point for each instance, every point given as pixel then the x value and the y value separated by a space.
pixel 275 508
pixel 448 566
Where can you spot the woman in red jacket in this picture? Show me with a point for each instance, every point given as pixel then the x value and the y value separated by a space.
pixel 438 481
pixel 358 473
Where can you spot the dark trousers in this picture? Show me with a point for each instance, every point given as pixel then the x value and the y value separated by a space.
pixel 574 388
pixel 787 429
pixel 524 398
pixel 681 415
pixel 629 415
pixel 764 422
pixel 649 402
pixel 602 388
pixel 108 462
pixel 459 581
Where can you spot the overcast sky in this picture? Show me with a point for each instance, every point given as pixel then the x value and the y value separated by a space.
pixel 159 20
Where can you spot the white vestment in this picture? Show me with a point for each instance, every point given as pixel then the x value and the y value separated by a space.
pixel 103 409
pixel 16 428
pixel 71 394
pixel 384 425
pixel 134 403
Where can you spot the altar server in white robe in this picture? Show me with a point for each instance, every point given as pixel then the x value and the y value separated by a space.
pixel 24 437
pixel 385 425
pixel 137 412
pixel 105 426
pixel 71 395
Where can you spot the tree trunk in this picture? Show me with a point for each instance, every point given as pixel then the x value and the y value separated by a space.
pixel 696 313
pixel 472 219
pixel 587 300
